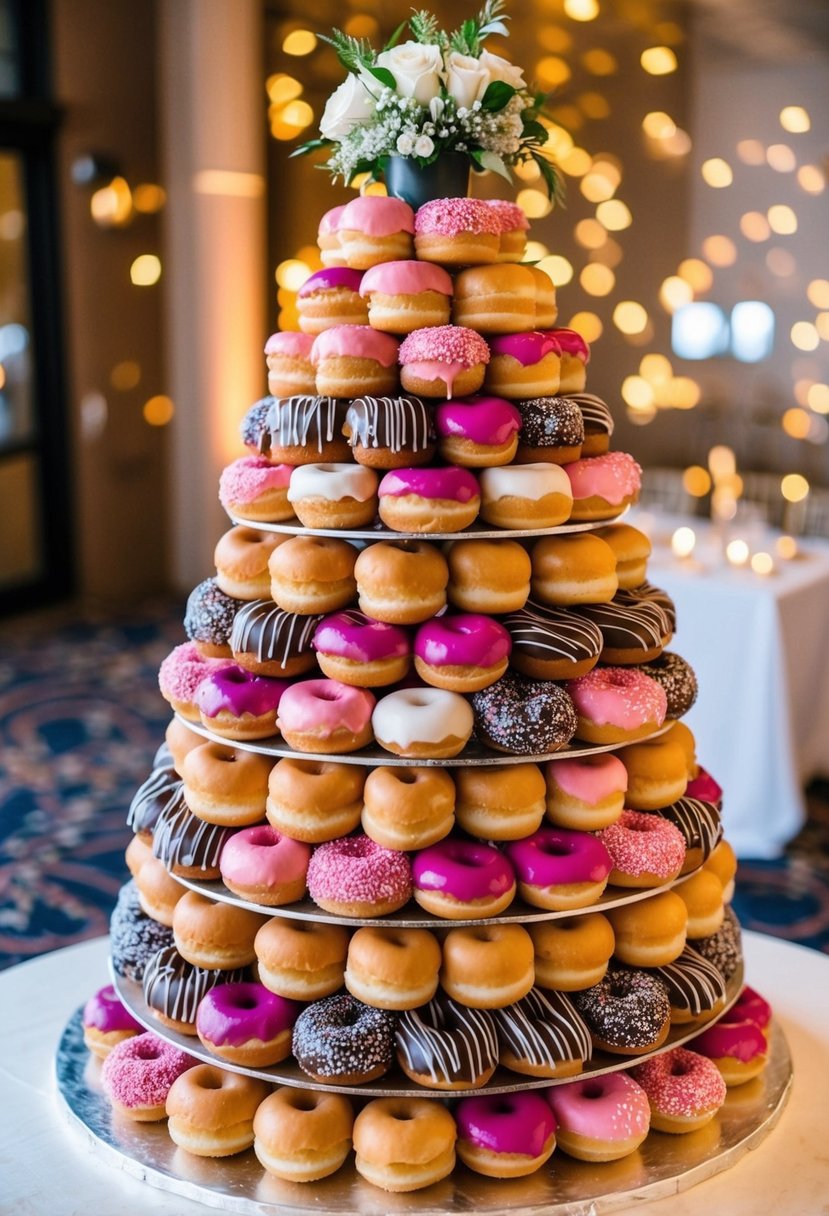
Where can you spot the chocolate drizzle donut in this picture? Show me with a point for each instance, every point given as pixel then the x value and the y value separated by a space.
pixel 134 936
pixel 695 986
pixel 628 1012
pixel 598 423
pixel 552 643
pixel 254 427
pixel 208 618
pixel 161 790
pixel 633 629
pixel 550 423
pixel 543 1035
pixel 445 1045
pixel 303 428
pixel 655 595
pixel 186 844
pixel 677 677
pixel 700 824
pixel 386 432
pixel 524 717
pixel 341 1040
pixel 725 947
pixel 173 987
pixel 271 642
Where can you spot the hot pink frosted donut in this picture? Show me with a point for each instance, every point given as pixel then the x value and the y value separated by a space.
pixel 463 653
pixel 264 866
pixel 238 704
pixel 571 343
pixel 137 1075
pixel 615 478
pixel 180 675
pixel 247 1024
pixel 704 788
pixel 559 869
pixel 247 481
pixel 617 703
pixel 326 716
pixel 506 1135
pixel 435 358
pixel 356 649
pixel 330 278
pixel 462 879
pixel 526 348
pixel 755 1008
pixel 355 876
pixel 684 1089
pixel 485 421
pixel 646 849
pixel 428 500
pixel 600 1118
pixel 734 1039
pixel 107 1022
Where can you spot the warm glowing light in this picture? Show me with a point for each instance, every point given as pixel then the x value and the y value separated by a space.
pixel 229 183
pixel 636 392
pixel 534 203
pixel 111 206
pixel 581 10
pixel 600 62
pixel 737 552
pixel 786 547
pixel 158 411
pixel 675 292
pixel 576 163
pixel 297 114
pixel 534 251
pixel 609 254
pixel 794 487
pixel 125 375
pixel 555 38
pixel 721 462
pixel 558 268
pixel 656 369
pixel 782 219
pixel 145 270
pixel 697 273
pixel 569 116
pixel 658 125
pixel 590 234
pixel 587 324
pixel 717 172
pixel 751 152
pixel 719 250
pixel 528 171
pixel 762 563
pixel 362 25
pixel 149 198
pixel 658 60
pixel 754 226
pixel 805 336
pixel 292 273
pixel 597 187
pixel 678 144
pixel 641 416
pixel 614 215
pixel 781 262
pixel 597 280
pixel 299 42
pixel 630 317
pixel 795 119
pixel 559 141
pixel 696 481
pixel 818 293
pixel 811 179
pixel 681 393
pixel 683 541
pixel 781 158
pixel 822 325
pixel 282 88
pixel 593 105
pixel 552 71
pixel 796 423
pixel 817 398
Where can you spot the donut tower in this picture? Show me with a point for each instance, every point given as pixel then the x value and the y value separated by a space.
pixel 426 876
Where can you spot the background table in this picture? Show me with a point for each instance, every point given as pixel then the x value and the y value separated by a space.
pixel 48 1169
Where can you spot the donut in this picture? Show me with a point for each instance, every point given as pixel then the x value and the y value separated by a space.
pixel 161 789
pixel 392 968
pixel 628 1012
pixel 646 850
pixel 754 1007
pixel 255 489
pixel 586 793
pixel 225 785
pixel 463 880
pixel 241 557
pixel 701 827
pixel 210 1111
pixel 724 948
pixel 404 1144
pixel 427 723
pixel 443 361
pixel 523 365
pixel 542 1035
pixel 477 432
pixel 696 989
pixel 598 423
pixel 684 1089
pixel 328 237
pixel 215 935
pixel 503 803
pixel 305 429
pixel 354 359
pixel 208 619
pixel 488 575
pixel 428 500
pixel 735 1044
pixel 253 429
pixel 723 863
pixel 331 297
pixel 575 355
pixel 355 649
pixel 313 574
pixel 333 495
pixel 339 1040
pixel 631 549
pixel 239 705
pixel 655 595
pixel 600 1118
pixel 246 1024
pixel 288 359
pixel 633 630
pixel 390 432
pixel 656 773
pixel 603 485
pixel 616 705
pixel 179 740
pixel 552 428
pixel 407 295
pixel 373 229
pixel 137 853
pixel 174 988
pixel 261 865
pixel 701 784
pixel 137 1075
pixel 301 959
pixel 677 677
pixel 463 653
pixel 513 225
pixel 302 1135
pixel 269 641
pixel 487 966
pixel 457 232
pixel 134 937
pixel 314 800
pixel 525 496
pixel 523 716
pixel 356 877
pixel 576 569
pixel 505 1135
pixel 650 933
pixel 682 734
pixel 408 808
pixel 552 643
pixel 572 952
pixel 702 895
pixel 558 869
pixel 325 716
pixel 187 846
pixel 107 1022
pixel 158 892
pixel 546 308
pixel 401 582
pixel 495 299
pixel 447 1046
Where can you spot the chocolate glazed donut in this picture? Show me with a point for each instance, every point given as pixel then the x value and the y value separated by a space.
pixel 542 1035
pixel 552 643
pixel 162 789
pixel 272 642
pixel 634 629
pixel 390 432
pixel 445 1045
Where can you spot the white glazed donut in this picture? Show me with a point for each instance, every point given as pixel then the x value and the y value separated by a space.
pixel 333 495
pixel 525 495
pixel 426 722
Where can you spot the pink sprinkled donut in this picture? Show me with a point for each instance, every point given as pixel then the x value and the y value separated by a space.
pixel 463 880
pixel 180 675
pixel 603 485
pixel 429 500
pixel 462 653
pixel 558 869
pixel 736 1045
pixel 457 232
pixel 354 876
pixel 246 1024
pixel 443 361
pixel 326 716
pixel 505 1135
pixel 684 1089
pixel 647 850
pixel 253 488
pixel 514 226
pixel 600 1118
pixel 107 1022
pixel 265 867
pixel 617 705
pixel 237 704
pixel 138 1073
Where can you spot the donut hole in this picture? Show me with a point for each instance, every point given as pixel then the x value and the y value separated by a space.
pixel 147 1051
pixel 302 1101
pixel 327 694
pixel 243 1001
pixel 210 1080
pixel 679 1068
pixel 407 777
pixel 593 1090
pixel 235 675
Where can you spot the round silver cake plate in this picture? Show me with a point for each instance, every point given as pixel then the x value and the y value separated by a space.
pixel 395 1083
pixel 664 1165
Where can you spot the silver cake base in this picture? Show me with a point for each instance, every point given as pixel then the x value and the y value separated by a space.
pixel 663 1166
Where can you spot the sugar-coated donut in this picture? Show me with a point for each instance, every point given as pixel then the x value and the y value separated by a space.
pixel 137 1076
pixel 463 880
pixel 457 232
pixel 462 652
pixel 225 785
pixel 107 1022
pixel 313 574
pixel 301 959
pixel 208 619
pixel 524 365
pixel 264 866
pixel 634 630
pixel 701 827
pixel 392 968
pixel 333 495
pixel 341 1041
pixel 174 988
pixel 331 297
pixel 506 1136
pixel 586 792
pixel 495 299
pixel 302 1135
pixel 253 488
pixel 631 548
pixel 407 295
pixel 559 869
pixel 646 850
pixel 239 705
pixel 677 677
pixel 552 428
pixel 314 800
pixel 390 432
pixel 401 582
pixel 443 361
pixel 246 1024
pixel 650 933
pixel 357 877
pixel 657 773
pixel 272 642
pixel 487 966
pixel 303 429
pixel 404 1144
pixel 134 937
pixel 408 808
pixel 574 569
pixel 542 1035
pixel 161 789
pixel 325 716
pixel 428 723
pixel 737 1046
pixel 500 803
pixel 488 575
pixel 210 1111
pixel 628 1012
pixel 213 934
pixel 525 496
pixel 188 847
pixel 572 952
pixel 696 989
pixel 241 557
pixel 288 359
pixel 600 1118
pixel 372 229
pixel 616 705
pixel 598 423
pixel 603 485
pixel 702 895
pixel 552 643
pixel 513 227
pixel 448 1046
pixel 684 1089
pixel 524 717
pixel 429 500
pixel 478 432
pixel 575 355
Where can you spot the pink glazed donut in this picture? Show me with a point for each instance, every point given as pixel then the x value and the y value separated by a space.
pixel 290 370
pixel 647 851
pixel 575 355
pixel 560 870
pixel 736 1045
pixel 253 488
pixel 600 1118
pixel 106 1022
pixel 354 359
pixel 355 876
pixel 372 229
pixel 463 653
pixel 684 1089
pixel 326 716
pixel 328 237
pixel 261 865
pixel 331 297
pixel 755 1008
pixel 603 485
pixel 408 295
pixel 138 1073
pixel 524 365
pixel 355 649
pixel 505 1135
pixel 587 792
pixel 429 500
pixel 237 704
pixel 246 1024
pixel 462 880
pixel 443 361
pixel 479 432
pixel 617 705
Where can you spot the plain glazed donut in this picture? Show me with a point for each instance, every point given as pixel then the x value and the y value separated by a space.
pixel 447 1046
pixel 573 569
pixel 523 716
pixel 496 299
pixel 136 853
pixel 158 892
pixel 702 895
pixel 462 880
pixel 341 1041
pixel 684 1089
pixel 261 865
pixel 107 1022
pixel 404 1144
pixel 313 574
pixel 392 968
pixel 722 861
pixel 225 785
pixel 241 556
pixel 355 877
pixel 325 716
pixel 632 549
pixel 650 933
pixel 179 740
pixel 402 582
pixel 246 1024
pixel 427 723
pixel 657 773
pixel 137 1076
pixel 572 952
pixel 314 800
pixel 628 1012
pixel 542 1035
pixel 301 1134
pixel 487 966
pixel 408 808
pixel 616 705
pixel 210 933
pixel 488 575
pixel 587 792
pixel 558 869
pixel 646 850
pixel 506 1135
pixel 500 803
pixel 600 1118
pixel 301 959
pixel 210 1111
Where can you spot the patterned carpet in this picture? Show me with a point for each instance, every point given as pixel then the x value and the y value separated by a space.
pixel 80 720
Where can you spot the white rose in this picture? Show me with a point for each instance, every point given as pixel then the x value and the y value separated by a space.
pixel 347 105
pixel 416 69
pixel 405 144
pixel 466 78
pixel 499 68
pixel 423 146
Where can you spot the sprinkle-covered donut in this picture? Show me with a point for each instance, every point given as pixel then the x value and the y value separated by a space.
pixel 542 1035
pixel 390 432
pixel 628 1012
pixel 677 677
pixel 646 850
pixel 444 1045
pixel 180 675
pixel 342 1041
pixel 552 643
pixel 552 428
pixel 616 705
pixel 695 986
pixel 356 877
pixel 107 1022
pixel 254 429
pixel 245 1023
pixel 600 1118
pixel 138 1073
pixel 523 716
pixel 208 619
pixel 506 1135
pixel 173 988
pixel 463 880
pixel 271 642
pixel 134 937
pixel 603 485
pixel 443 361
pixel 559 869
pixel 161 789
pixel 685 1090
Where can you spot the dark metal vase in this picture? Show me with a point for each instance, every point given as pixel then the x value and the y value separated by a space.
pixel 447 177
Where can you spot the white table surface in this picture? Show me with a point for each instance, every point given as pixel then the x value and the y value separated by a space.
pixel 47 1168
pixel 760 649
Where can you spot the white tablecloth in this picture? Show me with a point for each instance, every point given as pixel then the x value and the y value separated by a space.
pixel 760 648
